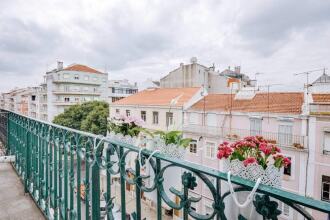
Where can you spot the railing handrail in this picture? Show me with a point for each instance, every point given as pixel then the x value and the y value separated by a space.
pixel 273 192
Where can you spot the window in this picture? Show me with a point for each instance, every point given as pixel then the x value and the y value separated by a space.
pixel 76 99
pixel 33 98
pixel 155 118
pixel 287 170
pixel 211 120
pixel 255 126
pixel 144 115
pixel 210 150
pixel 193 119
pixel 193 146
pixel 169 118
pixel 66 88
pixel 76 76
pixel 326 145
pixel 117 111
pixel 285 209
pixel 285 135
pixel 128 113
pixel 66 99
pixel 325 188
pixel 66 76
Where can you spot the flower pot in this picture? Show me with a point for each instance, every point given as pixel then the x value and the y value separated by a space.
pixel 271 176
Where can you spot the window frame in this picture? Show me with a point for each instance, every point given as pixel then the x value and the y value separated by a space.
pixel 206 150
pixel 155 113
pixel 190 146
pixel 144 116
pixel 322 187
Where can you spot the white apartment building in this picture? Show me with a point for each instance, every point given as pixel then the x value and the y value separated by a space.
pixel 37 102
pixel 197 75
pixel 119 89
pixel 160 109
pixel 72 85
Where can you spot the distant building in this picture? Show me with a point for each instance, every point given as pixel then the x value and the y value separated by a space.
pixel 197 75
pixel 161 109
pixel 148 84
pixel 72 85
pixel 119 89
pixel 321 84
pixel 16 100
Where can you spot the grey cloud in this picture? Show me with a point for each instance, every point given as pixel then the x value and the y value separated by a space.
pixel 269 27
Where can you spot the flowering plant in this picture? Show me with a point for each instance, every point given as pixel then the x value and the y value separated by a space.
pixel 126 125
pixel 253 149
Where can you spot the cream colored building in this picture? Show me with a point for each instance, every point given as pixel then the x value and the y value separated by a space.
pixel 161 109
pixel 72 85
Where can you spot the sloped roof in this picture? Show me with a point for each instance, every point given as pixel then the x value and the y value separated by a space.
pixel 281 102
pixel 81 68
pixel 321 97
pixel 159 96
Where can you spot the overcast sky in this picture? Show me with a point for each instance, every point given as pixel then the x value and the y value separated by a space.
pixel 142 39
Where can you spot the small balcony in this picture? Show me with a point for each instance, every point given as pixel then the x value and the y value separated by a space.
pixel 80 92
pixel 320 109
pixel 233 134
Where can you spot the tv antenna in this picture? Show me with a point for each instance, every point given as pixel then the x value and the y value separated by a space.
pixel 268 97
pixel 307 73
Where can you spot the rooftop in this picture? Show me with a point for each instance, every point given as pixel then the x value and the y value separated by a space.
pixel 321 98
pixel 81 68
pixel 160 97
pixel 280 102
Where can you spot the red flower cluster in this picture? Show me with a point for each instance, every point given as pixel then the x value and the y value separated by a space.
pixel 253 149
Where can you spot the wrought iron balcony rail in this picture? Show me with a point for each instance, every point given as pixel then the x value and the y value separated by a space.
pixel 282 139
pixel 54 162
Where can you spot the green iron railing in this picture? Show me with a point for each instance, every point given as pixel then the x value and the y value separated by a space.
pixel 54 162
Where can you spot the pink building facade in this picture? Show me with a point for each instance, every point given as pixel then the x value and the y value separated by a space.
pixel 281 118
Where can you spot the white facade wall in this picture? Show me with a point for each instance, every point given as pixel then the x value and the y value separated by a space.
pixel 66 88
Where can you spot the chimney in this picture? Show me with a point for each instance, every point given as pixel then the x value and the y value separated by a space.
pixel 59 65
pixel 237 69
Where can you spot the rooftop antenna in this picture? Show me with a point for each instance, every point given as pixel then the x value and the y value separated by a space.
pixel 307 85
pixel 268 97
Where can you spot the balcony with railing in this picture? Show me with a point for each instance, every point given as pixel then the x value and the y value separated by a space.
pixel 76 92
pixel 61 169
pixel 320 109
pixel 281 139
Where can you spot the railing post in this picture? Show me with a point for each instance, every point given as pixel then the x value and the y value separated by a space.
pixel 138 184
pixel 122 182
pixel 27 160
pixel 159 198
pixel 96 188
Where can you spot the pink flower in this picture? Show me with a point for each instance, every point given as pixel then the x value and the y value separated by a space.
pixel 277 149
pixel 266 149
pixel 286 161
pixel 249 160
pixel 224 151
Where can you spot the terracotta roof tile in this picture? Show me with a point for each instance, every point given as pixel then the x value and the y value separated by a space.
pixel 159 96
pixel 278 103
pixel 81 68
pixel 321 98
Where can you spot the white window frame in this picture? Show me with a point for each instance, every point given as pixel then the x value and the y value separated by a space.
pixel 206 150
pixel 155 122
pixel 281 207
pixel 193 118
pixel 76 76
pixel 212 122
pixel 255 128
pixel 285 138
pixel 128 112
pixel 326 149
pixel 195 142
pixel 293 170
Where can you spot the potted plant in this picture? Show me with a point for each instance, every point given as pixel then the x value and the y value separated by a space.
pixel 298 146
pixel 254 157
pixel 125 129
pixel 170 143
